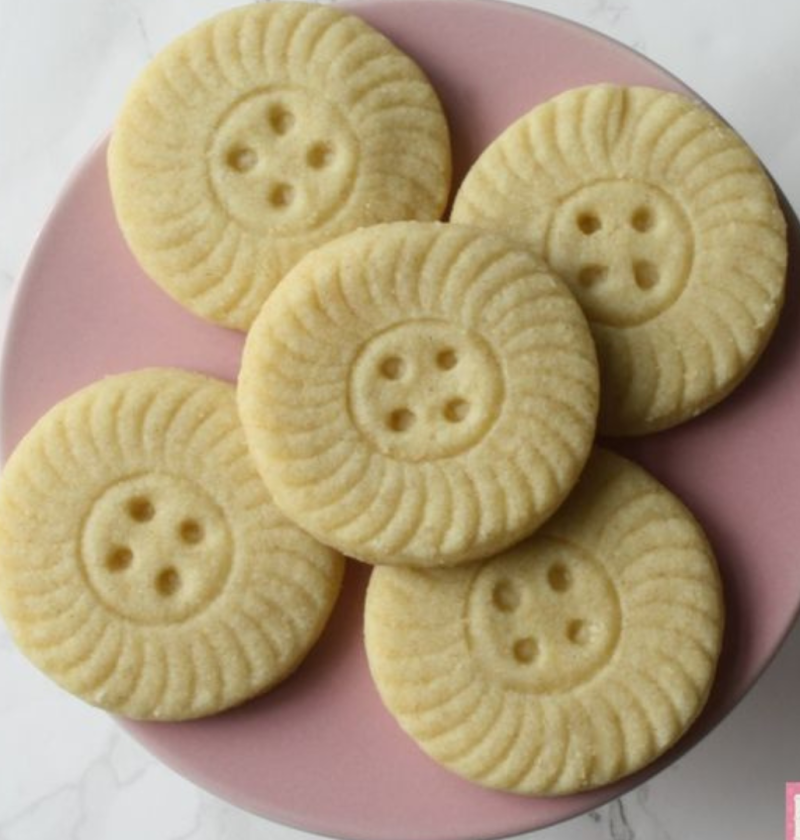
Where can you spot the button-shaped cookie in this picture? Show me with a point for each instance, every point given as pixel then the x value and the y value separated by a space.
pixel 143 565
pixel 665 226
pixel 262 133
pixel 568 661
pixel 419 394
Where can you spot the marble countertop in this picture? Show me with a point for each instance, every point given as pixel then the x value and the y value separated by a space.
pixel 66 770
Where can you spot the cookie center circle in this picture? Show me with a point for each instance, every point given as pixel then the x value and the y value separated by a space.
pixel 625 248
pixel 543 623
pixel 282 160
pixel 426 389
pixel 156 548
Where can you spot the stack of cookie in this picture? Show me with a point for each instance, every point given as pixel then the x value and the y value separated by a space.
pixel 422 396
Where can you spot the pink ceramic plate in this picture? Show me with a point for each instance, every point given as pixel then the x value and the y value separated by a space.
pixel 320 752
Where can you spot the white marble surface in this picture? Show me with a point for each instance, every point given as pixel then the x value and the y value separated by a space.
pixel 66 771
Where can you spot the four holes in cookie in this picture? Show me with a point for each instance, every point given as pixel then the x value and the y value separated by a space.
pixel 141 509
pixel 506 598
pixel 402 419
pixel 281 120
pixel 645 273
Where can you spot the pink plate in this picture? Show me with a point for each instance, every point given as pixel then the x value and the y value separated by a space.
pixel 320 752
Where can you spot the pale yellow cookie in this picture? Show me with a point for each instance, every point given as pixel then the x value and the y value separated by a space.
pixel 261 134
pixel 419 394
pixel 143 565
pixel 664 225
pixel 568 661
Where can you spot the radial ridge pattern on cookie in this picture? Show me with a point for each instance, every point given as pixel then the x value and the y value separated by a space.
pixel 144 565
pixel 566 662
pixel 666 228
pixel 261 134
pixel 419 393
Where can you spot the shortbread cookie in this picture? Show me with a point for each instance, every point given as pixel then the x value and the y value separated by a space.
pixel 419 394
pixel 666 228
pixel 566 662
pixel 143 565
pixel 261 134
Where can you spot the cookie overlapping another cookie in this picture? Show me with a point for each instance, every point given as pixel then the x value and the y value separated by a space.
pixel 419 393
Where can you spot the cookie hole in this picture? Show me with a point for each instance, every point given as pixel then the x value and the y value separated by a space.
pixel 525 650
pixel 167 582
pixel 401 420
pixel 392 368
pixel 281 120
pixel 559 578
pixel 191 531
pixel 642 219
pixel 505 596
pixel 281 196
pixel 588 223
pixel 645 274
pixel 320 155
pixel 589 275
pixel 242 160
pixel 119 559
pixel 446 359
pixel 456 410
pixel 141 509
pixel 578 632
